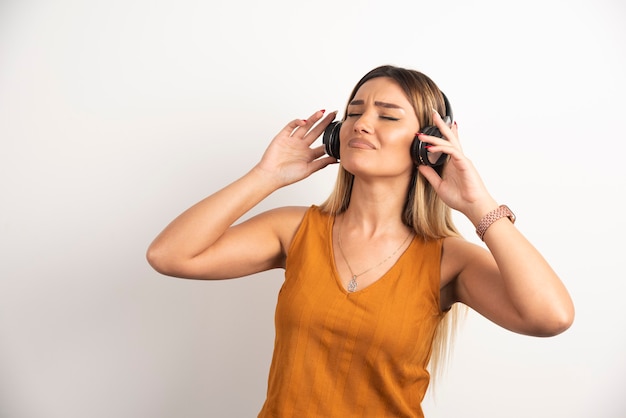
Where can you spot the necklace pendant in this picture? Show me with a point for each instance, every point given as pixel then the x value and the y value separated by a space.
pixel 352 284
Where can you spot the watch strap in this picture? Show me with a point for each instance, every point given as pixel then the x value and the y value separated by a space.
pixel 487 220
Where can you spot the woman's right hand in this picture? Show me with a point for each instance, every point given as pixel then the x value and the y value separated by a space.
pixel 289 157
pixel 202 243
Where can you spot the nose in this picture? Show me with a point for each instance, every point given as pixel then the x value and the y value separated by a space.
pixel 363 124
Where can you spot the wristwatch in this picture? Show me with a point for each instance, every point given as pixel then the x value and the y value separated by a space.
pixel 491 217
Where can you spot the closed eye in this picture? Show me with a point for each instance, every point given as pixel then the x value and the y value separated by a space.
pixel 353 115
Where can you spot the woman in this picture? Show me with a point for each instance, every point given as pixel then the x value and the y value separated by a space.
pixel 371 274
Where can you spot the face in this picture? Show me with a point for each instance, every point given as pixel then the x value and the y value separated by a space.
pixel 378 131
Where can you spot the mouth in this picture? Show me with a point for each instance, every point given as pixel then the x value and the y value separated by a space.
pixel 360 144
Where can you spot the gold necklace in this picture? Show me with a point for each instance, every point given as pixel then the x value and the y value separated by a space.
pixel 352 285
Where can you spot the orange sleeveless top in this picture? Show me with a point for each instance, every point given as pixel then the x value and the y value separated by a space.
pixel 361 354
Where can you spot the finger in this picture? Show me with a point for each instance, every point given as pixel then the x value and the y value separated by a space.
pixel 431 175
pixel 317 152
pixel 308 123
pixel 446 130
pixel 321 163
pixel 440 145
pixel 318 129
pixel 434 140
pixel 292 127
pixel 454 128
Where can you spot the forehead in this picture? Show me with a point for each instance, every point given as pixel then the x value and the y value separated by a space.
pixel 383 89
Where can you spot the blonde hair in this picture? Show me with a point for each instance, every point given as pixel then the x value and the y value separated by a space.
pixel 424 211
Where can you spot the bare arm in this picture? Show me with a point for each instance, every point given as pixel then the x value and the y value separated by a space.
pixel 202 242
pixel 511 284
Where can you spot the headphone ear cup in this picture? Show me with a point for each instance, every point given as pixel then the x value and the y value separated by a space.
pixel 421 155
pixel 331 139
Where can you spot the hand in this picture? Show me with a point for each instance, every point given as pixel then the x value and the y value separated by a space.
pixel 460 185
pixel 289 157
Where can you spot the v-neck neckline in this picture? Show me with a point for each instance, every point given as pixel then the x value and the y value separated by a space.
pixel 335 270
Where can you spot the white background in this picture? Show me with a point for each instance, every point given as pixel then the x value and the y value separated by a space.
pixel 117 115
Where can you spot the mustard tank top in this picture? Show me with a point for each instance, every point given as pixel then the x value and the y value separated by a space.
pixel 361 354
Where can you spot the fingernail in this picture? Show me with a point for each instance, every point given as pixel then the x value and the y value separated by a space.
pixel 435 110
pixel 323 110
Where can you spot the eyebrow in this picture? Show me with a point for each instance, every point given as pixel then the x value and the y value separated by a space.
pixel 379 104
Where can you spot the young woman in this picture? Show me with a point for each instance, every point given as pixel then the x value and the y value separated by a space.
pixel 371 274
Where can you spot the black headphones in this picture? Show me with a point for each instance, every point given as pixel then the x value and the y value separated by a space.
pixel 419 152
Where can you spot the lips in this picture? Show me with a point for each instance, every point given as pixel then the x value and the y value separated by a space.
pixel 360 144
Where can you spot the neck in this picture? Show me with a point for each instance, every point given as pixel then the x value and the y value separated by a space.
pixel 376 208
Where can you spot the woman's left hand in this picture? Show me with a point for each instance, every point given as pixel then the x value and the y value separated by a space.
pixel 460 185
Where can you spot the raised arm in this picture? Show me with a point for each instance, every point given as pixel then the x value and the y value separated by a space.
pixel 202 242
pixel 511 284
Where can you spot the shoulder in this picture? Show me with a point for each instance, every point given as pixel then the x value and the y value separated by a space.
pixel 285 221
pixel 289 212
pixel 458 246
pixel 458 254
pixel 285 217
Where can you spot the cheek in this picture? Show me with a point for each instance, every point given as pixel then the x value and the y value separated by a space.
pixel 345 128
pixel 402 145
pixel 401 140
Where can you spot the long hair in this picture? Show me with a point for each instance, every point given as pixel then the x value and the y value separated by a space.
pixel 424 211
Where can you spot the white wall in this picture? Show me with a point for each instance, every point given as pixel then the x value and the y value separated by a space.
pixel 117 115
